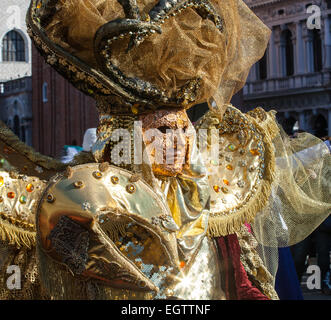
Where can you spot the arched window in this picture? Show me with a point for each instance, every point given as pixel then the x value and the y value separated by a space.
pixel 287 53
pixel 262 67
pixel 317 50
pixel 320 126
pixel 13 47
pixel 16 127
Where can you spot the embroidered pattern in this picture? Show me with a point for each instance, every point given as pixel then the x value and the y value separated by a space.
pixel 71 242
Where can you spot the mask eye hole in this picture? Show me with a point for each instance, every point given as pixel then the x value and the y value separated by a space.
pixel 163 129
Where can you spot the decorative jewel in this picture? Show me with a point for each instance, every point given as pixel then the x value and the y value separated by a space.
pixel 135 109
pixel 114 180
pixel 224 190
pixel 241 183
pixel 242 163
pixel 214 162
pixel 238 196
pixel 29 187
pixel 7 184
pixel 39 5
pixel 254 152
pixel 216 188
pixel 7 211
pixel 2 162
pixel 11 195
pixel 182 264
pixel 229 167
pixel 50 198
pixel 86 205
pixel 104 166
pixel 156 220
pixel 79 184
pixel 138 264
pixel 251 168
pixel 2 181
pixel 242 151
pixel 130 188
pixel 231 147
pixel 97 174
pixel 226 182
pixel 228 158
pixel 39 169
pixel 241 135
pixel 1 199
pixel 23 199
pixel 24 216
pixel 101 218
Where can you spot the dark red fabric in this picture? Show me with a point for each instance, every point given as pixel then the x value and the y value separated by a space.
pixel 222 247
pixel 236 284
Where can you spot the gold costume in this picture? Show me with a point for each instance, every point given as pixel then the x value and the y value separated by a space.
pixel 113 225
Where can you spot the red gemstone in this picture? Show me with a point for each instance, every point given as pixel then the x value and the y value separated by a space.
pixel 11 195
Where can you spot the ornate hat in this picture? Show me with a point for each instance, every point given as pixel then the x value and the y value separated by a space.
pixel 135 56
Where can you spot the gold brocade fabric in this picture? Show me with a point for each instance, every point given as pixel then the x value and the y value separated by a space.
pixel 27 284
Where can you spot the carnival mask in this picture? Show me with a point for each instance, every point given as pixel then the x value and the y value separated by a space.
pixel 167 143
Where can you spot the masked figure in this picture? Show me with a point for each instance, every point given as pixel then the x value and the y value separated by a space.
pixel 158 208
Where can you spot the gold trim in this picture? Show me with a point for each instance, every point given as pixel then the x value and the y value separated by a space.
pixel 14 235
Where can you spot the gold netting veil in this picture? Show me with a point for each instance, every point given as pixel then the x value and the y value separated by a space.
pixel 189 46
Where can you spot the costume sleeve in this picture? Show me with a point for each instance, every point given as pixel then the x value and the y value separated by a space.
pixel 240 161
pixel 23 175
pixel 280 185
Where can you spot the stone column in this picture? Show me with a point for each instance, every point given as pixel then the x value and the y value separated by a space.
pixel 277 57
pixel 302 120
pixel 282 56
pixel 309 53
pixel 272 65
pixel 327 42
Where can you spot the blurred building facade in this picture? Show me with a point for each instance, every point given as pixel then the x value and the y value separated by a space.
pixel 294 75
pixel 15 69
pixel 61 113
pixel 40 107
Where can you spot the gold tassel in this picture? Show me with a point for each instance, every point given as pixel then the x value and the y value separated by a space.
pixel 17 236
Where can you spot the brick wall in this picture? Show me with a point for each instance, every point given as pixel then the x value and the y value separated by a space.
pixel 63 119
